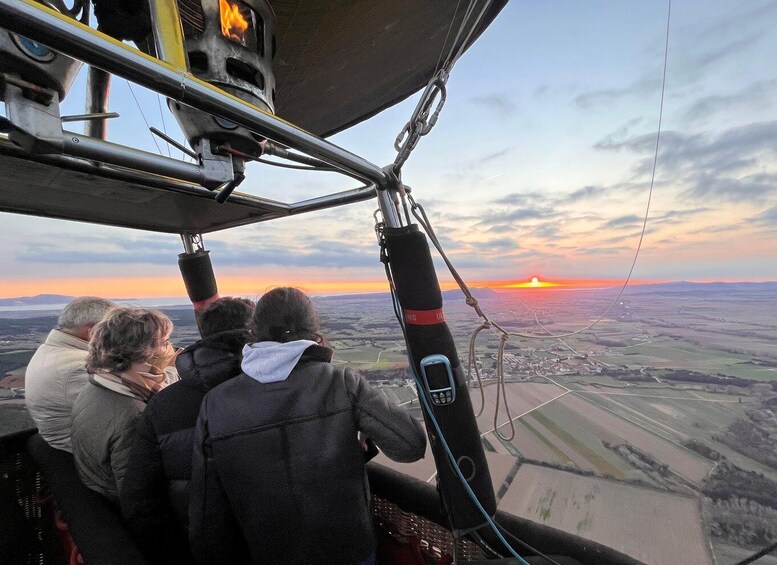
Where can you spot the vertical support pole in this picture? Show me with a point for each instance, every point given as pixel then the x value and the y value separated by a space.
pixel 168 33
pixel 388 208
pixel 98 88
pixel 197 273
pixel 427 334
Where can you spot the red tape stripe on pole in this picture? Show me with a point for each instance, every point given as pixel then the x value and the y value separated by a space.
pixel 424 317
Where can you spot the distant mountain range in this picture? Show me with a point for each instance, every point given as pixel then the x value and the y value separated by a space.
pixel 684 286
pixel 38 300
pixel 46 300
pixel 454 294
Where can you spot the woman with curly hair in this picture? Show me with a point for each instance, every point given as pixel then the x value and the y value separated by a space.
pixel 129 351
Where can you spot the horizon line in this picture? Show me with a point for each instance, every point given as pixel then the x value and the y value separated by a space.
pixel 367 288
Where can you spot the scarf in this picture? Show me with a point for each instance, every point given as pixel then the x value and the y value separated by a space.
pixel 141 380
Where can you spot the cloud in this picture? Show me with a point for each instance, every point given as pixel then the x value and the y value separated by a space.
pixel 521 199
pixel 750 188
pixel 499 244
pixel 675 217
pixel 472 170
pixel 708 165
pixel 585 193
pixel 636 143
pixel 693 50
pixel 647 85
pixel 325 253
pixel 494 156
pixel 624 131
pixel 161 250
pixel 602 250
pixel 501 228
pixel 541 91
pixel 549 231
pixel 726 50
pixel 759 94
pixel 715 229
pixel 624 222
pixel 767 218
pixel 499 105
pixel 517 215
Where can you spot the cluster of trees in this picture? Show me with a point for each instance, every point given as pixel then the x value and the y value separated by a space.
pixel 743 522
pixel 385 375
pixel 704 450
pixel 694 377
pixel 14 360
pixel 567 468
pixel 755 434
pixel 729 481
pixel 742 505
pixel 639 459
pixel 634 376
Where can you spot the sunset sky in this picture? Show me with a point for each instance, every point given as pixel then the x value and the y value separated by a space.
pixel 539 166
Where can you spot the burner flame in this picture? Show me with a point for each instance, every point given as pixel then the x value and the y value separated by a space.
pixel 233 23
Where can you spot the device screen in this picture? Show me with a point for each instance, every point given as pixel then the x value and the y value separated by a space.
pixel 437 376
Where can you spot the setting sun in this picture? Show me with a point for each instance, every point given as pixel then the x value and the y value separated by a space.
pixel 533 282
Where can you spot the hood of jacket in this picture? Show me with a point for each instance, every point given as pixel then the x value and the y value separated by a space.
pixel 272 362
pixel 212 360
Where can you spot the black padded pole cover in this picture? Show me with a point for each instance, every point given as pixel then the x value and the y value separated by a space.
pixel 197 274
pixel 418 292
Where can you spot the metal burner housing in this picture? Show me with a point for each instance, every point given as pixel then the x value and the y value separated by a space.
pixel 230 44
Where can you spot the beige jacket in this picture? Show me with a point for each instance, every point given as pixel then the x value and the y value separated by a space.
pixel 55 376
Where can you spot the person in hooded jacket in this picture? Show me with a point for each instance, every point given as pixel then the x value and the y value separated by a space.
pixel 155 495
pixel 278 470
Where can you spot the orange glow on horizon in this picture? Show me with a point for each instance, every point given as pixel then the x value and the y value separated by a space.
pixel 161 287
pixel 537 283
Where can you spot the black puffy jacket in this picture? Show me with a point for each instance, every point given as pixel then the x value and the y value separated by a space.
pixel 155 494
pixel 278 472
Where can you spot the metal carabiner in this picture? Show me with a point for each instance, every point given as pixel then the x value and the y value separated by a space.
pixel 421 123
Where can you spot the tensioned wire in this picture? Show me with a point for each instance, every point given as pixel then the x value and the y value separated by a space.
pixel 129 84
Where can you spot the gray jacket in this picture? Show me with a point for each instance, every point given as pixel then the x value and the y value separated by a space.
pixel 104 423
pixel 278 472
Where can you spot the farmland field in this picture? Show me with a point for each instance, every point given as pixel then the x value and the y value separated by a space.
pixel 679 459
pixel 656 527
pixel 521 397
pixel 571 430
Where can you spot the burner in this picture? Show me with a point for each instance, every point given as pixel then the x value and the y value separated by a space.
pixel 230 45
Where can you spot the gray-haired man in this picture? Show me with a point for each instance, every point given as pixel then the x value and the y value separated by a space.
pixel 57 371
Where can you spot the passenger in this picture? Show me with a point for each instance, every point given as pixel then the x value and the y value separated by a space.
pixel 278 470
pixel 128 353
pixel 57 372
pixel 155 494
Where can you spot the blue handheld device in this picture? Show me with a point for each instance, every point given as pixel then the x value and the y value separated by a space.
pixel 438 378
